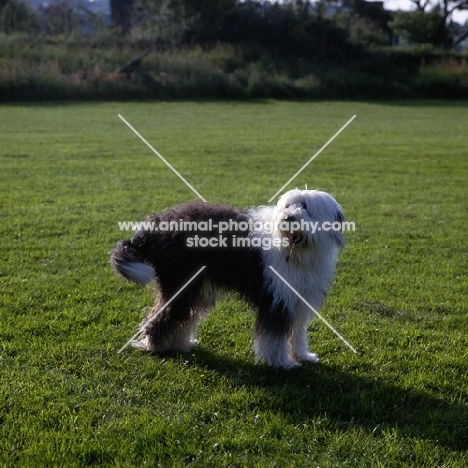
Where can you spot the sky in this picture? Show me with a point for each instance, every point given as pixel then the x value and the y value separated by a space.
pixel 460 17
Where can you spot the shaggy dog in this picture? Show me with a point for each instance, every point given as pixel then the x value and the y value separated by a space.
pixel 237 248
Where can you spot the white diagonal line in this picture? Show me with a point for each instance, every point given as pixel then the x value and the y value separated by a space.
pixel 313 157
pixel 314 311
pixel 162 159
pixel 139 332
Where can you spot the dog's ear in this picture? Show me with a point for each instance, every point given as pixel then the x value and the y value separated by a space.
pixel 339 215
pixel 338 235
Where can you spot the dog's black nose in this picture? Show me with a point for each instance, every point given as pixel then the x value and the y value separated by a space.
pixel 290 219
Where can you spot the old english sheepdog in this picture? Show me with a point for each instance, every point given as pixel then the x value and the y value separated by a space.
pixel 299 237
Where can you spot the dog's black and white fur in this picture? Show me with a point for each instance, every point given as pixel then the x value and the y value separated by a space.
pixel 304 258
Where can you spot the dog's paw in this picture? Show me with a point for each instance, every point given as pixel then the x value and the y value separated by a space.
pixel 141 344
pixel 286 364
pixel 291 364
pixel 186 346
pixel 191 344
pixel 309 357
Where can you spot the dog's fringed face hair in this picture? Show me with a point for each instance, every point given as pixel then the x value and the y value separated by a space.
pixel 318 209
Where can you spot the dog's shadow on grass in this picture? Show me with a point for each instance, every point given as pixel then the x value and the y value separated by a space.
pixel 346 398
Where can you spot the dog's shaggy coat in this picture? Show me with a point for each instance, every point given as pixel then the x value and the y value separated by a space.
pixel 304 258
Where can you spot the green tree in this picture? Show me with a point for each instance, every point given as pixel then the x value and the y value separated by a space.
pixel 423 22
pixel 444 7
pixel 16 16
pixel 367 22
pixel 417 27
pixel 59 18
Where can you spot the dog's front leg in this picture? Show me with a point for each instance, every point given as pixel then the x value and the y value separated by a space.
pixel 271 337
pixel 299 341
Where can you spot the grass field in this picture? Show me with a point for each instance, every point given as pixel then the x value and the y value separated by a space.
pixel 70 172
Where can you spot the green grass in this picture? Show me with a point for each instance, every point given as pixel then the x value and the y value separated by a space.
pixel 71 172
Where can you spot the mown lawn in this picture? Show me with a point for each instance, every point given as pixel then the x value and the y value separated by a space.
pixel 70 172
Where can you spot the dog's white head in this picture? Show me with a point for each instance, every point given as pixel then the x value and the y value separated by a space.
pixel 310 218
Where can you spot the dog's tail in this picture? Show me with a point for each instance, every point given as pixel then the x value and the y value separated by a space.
pixel 127 263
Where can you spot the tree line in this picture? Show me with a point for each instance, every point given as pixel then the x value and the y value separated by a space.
pixel 324 28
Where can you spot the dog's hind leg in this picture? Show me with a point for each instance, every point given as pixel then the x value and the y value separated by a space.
pixel 168 327
pixel 173 327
